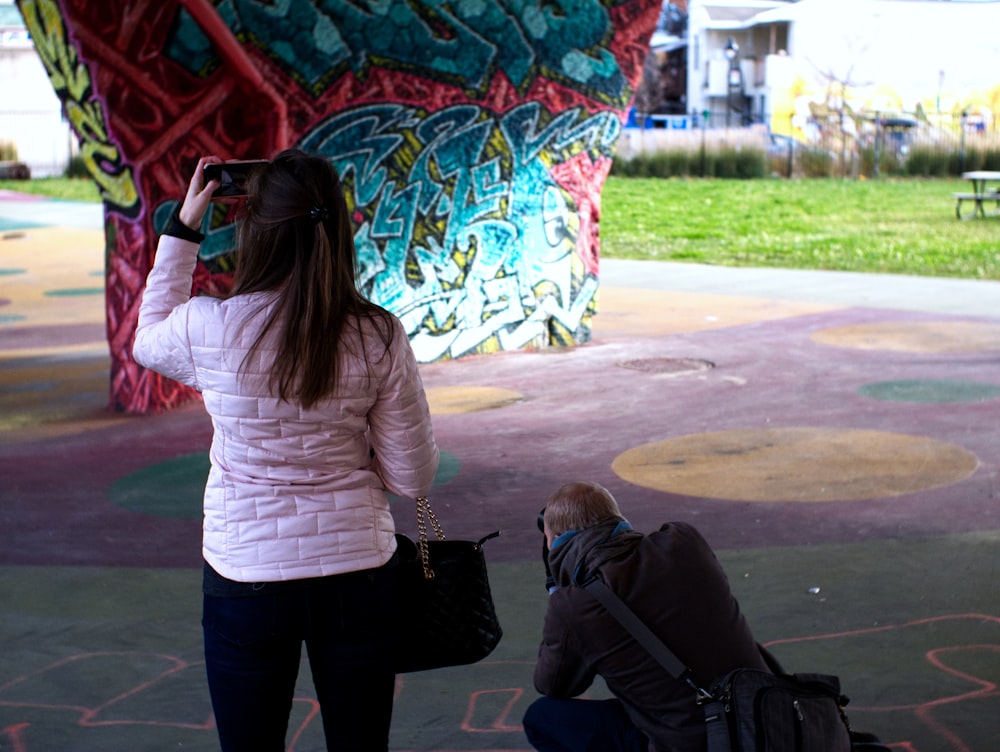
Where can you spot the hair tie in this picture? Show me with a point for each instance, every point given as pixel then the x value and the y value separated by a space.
pixel 319 214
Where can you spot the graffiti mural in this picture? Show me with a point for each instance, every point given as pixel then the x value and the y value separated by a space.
pixel 473 138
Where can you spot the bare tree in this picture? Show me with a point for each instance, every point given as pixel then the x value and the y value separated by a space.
pixel 836 105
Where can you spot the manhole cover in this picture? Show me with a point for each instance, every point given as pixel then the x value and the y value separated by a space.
pixel 667 365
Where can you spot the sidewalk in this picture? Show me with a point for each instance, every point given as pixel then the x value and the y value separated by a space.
pixel 832 435
pixel 961 297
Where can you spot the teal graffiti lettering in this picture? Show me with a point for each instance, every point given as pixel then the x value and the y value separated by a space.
pixel 463 43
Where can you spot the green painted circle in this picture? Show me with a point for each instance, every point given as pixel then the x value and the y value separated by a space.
pixel 930 391
pixel 74 291
pixel 448 468
pixel 175 488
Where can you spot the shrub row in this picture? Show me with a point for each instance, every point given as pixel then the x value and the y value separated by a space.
pixel 807 162
pixel 718 163
pixel 926 162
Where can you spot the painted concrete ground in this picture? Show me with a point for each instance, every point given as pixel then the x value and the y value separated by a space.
pixel 841 459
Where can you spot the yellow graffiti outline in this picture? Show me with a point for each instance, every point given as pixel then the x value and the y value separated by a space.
pixel 71 81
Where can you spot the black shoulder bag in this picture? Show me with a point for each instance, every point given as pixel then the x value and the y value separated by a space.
pixel 444 607
pixel 749 710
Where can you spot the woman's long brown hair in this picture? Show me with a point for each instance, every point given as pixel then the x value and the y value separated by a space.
pixel 296 239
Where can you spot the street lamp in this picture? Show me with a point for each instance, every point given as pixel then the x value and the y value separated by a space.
pixel 732 51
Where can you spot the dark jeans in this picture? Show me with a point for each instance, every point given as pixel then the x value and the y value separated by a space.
pixel 582 726
pixel 253 647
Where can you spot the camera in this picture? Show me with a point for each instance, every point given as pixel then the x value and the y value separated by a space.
pixel 232 176
pixel 550 582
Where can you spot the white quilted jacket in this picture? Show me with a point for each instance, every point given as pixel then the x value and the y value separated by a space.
pixel 291 493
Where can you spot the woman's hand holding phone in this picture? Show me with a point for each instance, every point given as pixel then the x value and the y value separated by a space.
pixel 199 194
pixel 232 176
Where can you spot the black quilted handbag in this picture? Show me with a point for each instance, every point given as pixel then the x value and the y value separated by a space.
pixel 444 614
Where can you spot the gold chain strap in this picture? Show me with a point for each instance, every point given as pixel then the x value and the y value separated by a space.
pixel 424 509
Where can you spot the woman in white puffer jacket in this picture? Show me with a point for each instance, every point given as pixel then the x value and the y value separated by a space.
pixel 318 411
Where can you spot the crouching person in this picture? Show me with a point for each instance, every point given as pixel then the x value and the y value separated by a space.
pixel 673 582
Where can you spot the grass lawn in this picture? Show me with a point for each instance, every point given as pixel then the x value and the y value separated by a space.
pixel 66 189
pixel 886 225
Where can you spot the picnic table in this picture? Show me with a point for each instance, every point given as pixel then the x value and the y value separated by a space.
pixel 981 192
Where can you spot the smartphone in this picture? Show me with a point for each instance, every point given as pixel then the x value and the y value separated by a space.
pixel 232 176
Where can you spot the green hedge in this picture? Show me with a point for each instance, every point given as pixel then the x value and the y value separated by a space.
pixel 678 163
pixel 810 162
pixel 77 168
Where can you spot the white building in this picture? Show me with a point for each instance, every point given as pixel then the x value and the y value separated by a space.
pixel 30 112
pixel 890 56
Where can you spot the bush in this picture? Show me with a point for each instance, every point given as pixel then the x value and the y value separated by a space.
pixel 991 159
pixel 10 168
pixel 780 164
pixel 750 164
pixel 725 163
pixel 973 160
pixel 888 162
pixel 77 168
pixel 655 165
pixel 14 171
pixel 679 163
pixel 921 161
pixel 816 163
pixel 926 162
pixel 659 165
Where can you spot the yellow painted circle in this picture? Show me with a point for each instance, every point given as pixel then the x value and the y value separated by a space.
pixel 909 336
pixel 795 464
pixel 445 400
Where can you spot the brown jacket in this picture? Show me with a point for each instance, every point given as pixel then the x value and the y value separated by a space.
pixel 676 586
